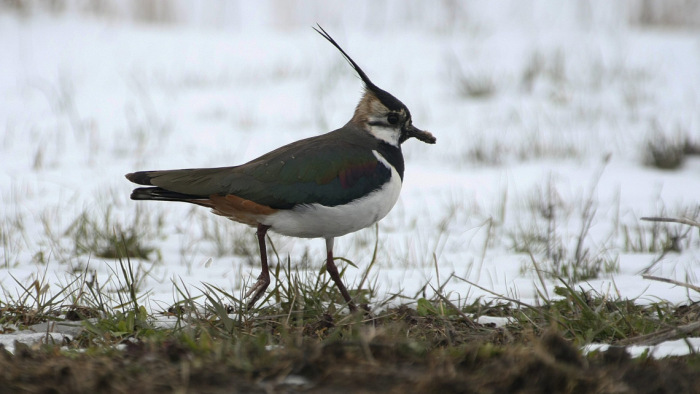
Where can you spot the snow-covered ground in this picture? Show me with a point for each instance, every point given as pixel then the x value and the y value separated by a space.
pixel 533 108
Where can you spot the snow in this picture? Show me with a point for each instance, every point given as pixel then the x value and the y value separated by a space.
pixel 576 94
pixel 679 347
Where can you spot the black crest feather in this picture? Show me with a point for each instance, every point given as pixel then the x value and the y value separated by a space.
pixel 386 98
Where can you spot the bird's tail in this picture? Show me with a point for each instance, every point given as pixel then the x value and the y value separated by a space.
pixel 156 193
pixel 140 177
pixel 160 194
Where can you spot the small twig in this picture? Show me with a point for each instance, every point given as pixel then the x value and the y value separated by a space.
pixel 656 261
pixel 513 300
pixel 470 322
pixel 660 336
pixel 674 282
pixel 687 221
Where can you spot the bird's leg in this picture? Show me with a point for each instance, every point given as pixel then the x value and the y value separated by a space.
pixel 258 289
pixel 333 271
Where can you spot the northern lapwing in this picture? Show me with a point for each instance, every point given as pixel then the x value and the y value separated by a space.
pixel 319 187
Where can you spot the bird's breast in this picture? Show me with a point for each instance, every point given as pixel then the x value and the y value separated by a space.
pixel 320 221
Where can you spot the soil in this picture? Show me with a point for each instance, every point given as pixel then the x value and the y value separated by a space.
pixel 547 364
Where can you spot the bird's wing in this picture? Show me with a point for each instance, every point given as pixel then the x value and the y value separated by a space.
pixel 305 172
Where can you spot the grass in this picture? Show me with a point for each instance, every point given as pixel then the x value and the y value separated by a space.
pixel 13 238
pixel 668 149
pixel 210 342
pixel 301 336
pixel 304 338
pixel 664 152
pixel 557 238
pixel 91 233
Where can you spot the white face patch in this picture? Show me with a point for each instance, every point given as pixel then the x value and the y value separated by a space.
pixel 376 117
pixel 390 135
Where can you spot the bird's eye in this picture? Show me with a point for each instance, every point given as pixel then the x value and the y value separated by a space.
pixel 392 118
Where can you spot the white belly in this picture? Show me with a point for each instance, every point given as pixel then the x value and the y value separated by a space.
pixel 320 221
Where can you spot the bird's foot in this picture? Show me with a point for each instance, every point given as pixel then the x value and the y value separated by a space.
pixel 257 290
pixel 364 309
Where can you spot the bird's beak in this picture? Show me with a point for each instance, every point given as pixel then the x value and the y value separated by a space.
pixel 425 136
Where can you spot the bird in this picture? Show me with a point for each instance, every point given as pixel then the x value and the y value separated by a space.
pixel 324 186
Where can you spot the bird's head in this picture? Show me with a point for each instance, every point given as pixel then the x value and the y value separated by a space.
pixel 379 112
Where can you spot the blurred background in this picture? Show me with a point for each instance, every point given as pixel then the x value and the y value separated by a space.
pixel 588 109
pixel 443 15
pixel 562 78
